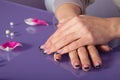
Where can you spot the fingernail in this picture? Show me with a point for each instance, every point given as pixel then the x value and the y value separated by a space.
pixel 97 65
pixel 86 67
pixel 77 65
pixel 42 46
pixel 41 50
pixel 45 51
pixel 57 60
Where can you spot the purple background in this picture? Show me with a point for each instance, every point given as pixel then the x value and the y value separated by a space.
pixel 31 63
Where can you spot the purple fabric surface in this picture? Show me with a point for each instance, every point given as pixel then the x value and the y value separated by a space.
pixel 32 64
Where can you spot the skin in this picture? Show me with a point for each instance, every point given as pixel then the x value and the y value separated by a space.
pixel 94 30
pixel 68 16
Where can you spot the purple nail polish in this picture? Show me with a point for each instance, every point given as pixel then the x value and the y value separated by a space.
pixel 77 65
pixel 97 65
pixel 58 60
pixel 41 50
pixel 86 68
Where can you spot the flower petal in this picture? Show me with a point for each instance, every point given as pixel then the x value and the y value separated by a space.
pixel 8 46
pixel 34 21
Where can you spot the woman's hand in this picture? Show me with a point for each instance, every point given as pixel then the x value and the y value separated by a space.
pixel 79 31
pixel 80 58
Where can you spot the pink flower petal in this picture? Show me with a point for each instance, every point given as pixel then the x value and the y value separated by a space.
pixel 34 21
pixel 10 45
pixel 37 21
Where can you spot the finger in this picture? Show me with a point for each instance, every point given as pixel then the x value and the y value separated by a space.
pixel 57 57
pixel 73 45
pixel 58 37
pixel 62 31
pixel 62 43
pixel 74 59
pixel 84 58
pixel 105 48
pixel 94 55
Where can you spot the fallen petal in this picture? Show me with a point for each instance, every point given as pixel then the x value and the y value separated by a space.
pixel 8 46
pixel 34 21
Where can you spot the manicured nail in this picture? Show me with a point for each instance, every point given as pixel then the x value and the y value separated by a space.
pixel 97 65
pixel 42 46
pixel 86 68
pixel 58 60
pixel 41 50
pixel 45 51
pixel 77 65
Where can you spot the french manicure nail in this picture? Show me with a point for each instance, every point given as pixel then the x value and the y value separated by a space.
pixel 46 51
pixel 57 60
pixel 41 50
pixel 42 46
pixel 97 65
pixel 77 65
pixel 86 67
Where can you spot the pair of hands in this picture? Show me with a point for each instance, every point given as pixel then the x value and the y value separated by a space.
pixel 73 35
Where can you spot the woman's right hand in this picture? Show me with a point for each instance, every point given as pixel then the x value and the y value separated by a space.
pixel 84 57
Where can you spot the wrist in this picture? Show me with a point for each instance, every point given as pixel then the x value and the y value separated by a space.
pixel 66 18
pixel 66 12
